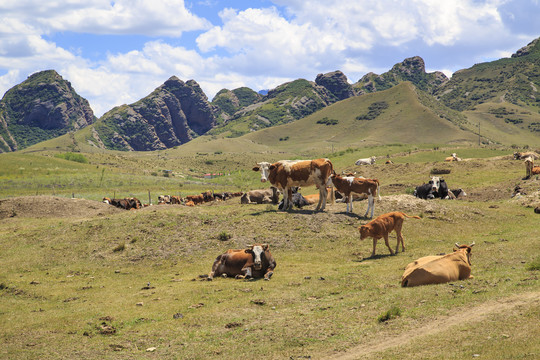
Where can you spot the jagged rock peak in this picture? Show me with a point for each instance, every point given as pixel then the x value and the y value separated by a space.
pixel 45 101
pixel 336 82
pixel 411 65
pixel 533 46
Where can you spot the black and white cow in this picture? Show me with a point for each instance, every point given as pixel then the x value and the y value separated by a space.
pixel 297 199
pixel 435 188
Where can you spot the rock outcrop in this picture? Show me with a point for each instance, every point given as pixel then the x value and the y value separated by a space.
pixel 173 114
pixel 411 69
pixel 42 107
pixel 336 82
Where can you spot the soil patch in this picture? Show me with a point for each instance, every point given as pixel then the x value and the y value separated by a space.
pixel 52 206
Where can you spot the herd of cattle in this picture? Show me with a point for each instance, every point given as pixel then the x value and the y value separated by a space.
pixel 287 176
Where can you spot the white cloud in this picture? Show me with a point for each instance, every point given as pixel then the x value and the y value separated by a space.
pixel 154 18
pixel 259 48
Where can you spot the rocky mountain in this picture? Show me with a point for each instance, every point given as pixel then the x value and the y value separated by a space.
pixel 411 69
pixel 230 101
pixel 171 115
pixel 42 107
pixel 336 82
pixel 286 103
pixel 515 80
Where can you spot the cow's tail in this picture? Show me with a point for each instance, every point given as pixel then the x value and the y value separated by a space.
pixel 409 216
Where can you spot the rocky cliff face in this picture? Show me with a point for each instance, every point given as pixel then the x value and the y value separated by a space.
pixel 40 108
pixel 411 69
pixel 336 82
pixel 171 115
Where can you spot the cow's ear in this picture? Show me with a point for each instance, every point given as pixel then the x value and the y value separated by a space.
pixel 272 167
pixel 430 182
pixel 256 168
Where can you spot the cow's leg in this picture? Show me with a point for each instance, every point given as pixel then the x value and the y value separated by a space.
pixel 399 240
pixel 388 244
pixel 323 193
pixel 247 273
pixel 370 205
pixel 349 202
pixel 374 246
pixel 269 273
pixel 215 268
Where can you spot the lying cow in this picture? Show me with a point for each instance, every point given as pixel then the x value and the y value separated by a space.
pixel 126 203
pixel 457 194
pixel 298 199
pixel 285 174
pixel 255 261
pixel 439 269
pixel 366 161
pixel 176 200
pixel 164 199
pixel 349 185
pixel 435 188
pixel 381 226
pixel 454 157
pixel 524 155
pixel 195 199
pixel 265 196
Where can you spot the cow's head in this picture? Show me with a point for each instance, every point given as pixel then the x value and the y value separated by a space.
pixel 466 249
pixel 435 183
pixel 264 167
pixel 365 231
pixel 257 250
pixel 107 200
pixel 373 158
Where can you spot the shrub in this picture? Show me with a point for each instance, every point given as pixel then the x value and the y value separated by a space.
pixel 120 247
pixel 224 236
pixel 393 313
pixel 72 157
pixel 534 265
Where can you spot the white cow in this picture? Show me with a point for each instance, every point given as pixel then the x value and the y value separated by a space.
pixel 366 161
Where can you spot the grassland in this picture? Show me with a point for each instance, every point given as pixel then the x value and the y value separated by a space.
pixel 81 279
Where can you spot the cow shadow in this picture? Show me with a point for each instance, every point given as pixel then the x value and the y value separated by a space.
pixel 293 211
pixel 376 257
pixel 354 215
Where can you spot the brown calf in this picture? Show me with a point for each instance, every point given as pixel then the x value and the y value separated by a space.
pixel 381 226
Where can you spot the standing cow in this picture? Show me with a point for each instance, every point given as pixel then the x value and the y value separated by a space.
pixel 285 174
pixel 381 226
pixel 255 261
pixel 350 185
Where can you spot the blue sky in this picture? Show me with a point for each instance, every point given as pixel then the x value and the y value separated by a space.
pixel 117 52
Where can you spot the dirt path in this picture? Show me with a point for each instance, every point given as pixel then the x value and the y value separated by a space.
pixel 441 324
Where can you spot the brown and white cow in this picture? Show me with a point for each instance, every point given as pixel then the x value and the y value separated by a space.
pixel 264 196
pixel 524 155
pixel 255 261
pixel 349 185
pixel 381 226
pixel 439 269
pixel 529 164
pixel 285 174
pixel 454 157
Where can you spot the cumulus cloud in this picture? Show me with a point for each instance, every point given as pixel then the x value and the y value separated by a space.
pixel 255 47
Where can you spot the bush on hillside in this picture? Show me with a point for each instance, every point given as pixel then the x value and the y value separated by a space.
pixel 72 157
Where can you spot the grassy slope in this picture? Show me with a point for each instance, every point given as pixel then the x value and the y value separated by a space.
pixel 62 281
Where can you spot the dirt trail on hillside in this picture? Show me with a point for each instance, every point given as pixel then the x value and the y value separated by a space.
pixel 442 324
